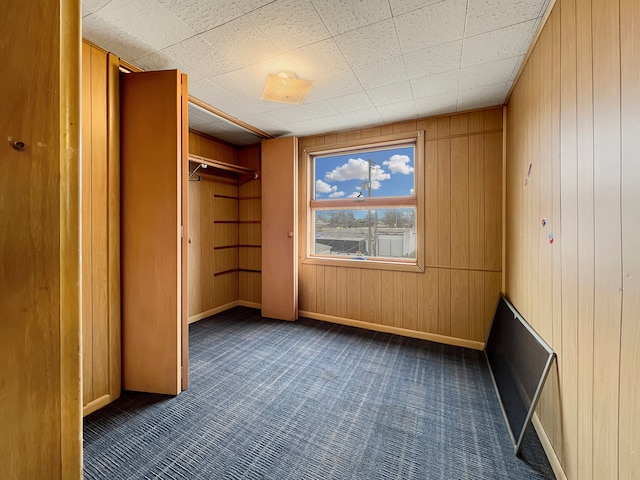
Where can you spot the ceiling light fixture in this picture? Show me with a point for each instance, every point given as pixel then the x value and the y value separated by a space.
pixel 286 88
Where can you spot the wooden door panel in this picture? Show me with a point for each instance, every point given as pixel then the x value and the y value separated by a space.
pixel 151 202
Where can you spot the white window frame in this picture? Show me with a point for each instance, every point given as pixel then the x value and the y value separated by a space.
pixel 415 139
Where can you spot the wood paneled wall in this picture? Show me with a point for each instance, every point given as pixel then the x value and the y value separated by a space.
pixel 454 299
pixel 100 230
pixel 573 122
pixel 213 230
pixel 40 386
pixel 250 234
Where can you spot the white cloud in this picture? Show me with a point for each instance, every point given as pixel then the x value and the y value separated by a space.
pixel 375 184
pixel 324 187
pixel 355 195
pixel 336 195
pixel 356 169
pixel 399 164
pixel 412 191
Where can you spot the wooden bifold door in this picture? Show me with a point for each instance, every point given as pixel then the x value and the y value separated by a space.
pixel 154 169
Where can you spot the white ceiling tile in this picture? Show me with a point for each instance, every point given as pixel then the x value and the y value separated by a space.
pixel 90 6
pixel 320 125
pixel 437 104
pixel 390 94
pixel 435 84
pixel 299 113
pixel 147 20
pixel 270 66
pixel 497 44
pixel 487 96
pixel 352 103
pixel 202 15
pixel 249 5
pixel 432 60
pixel 488 73
pixel 159 61
pixel 334 85
pixel 398 111
pixel 267 123
pixel 432 25
pixel 114 39
pixel 486 15
pixel 370 44
pixel 318 59
pixel 208 92
pixel 363 118
pixel 380 73
pixel 290 24
pixel 398 7
pixel 240 84
pixel 241 41
pixel 200 58
pixel 341 16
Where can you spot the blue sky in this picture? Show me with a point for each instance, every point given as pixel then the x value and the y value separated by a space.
pixel 344 176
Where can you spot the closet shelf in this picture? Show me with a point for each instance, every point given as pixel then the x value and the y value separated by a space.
pixel 243 172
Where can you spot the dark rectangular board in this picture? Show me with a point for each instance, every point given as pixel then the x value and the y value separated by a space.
pixel 519 361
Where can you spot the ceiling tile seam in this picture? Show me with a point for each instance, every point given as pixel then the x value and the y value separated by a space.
pixel 351 66
pixel 464 35
pixel 535 19
pixel 254 9
pixel 404 64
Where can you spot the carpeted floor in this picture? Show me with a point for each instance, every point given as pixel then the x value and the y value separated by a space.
pixel 312 400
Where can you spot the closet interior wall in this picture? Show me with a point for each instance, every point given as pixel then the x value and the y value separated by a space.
pixel 250 233
pixel 224 230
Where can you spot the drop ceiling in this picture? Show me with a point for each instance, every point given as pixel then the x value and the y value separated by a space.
pixel 372 61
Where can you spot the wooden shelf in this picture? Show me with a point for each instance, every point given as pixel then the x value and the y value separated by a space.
pixel 244 172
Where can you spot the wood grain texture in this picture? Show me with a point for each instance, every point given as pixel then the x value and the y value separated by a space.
pixel 113 220
pixel 40 242
pixel 279 243
pixel 607 211
pixel 578 98
pixel 629 450
pixel 460 201
pixel 569 229
pixel 584 91
pixel 151 243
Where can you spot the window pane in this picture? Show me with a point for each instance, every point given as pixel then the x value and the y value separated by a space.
pixel 387 172
pixel 384 233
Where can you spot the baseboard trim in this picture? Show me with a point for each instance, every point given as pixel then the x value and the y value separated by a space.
pixel 96 404
pixel 556 466
pixel 432 337
pixel 223 308
pixel 244 303
pixel 213 311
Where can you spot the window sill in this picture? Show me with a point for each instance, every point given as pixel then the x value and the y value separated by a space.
pixel 366 264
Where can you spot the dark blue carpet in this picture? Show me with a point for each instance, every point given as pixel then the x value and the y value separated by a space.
pixel 312 400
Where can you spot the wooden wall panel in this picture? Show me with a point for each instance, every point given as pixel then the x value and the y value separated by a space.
pixel 629 411
pixel 569 230
pixel 579 96
pixel 462 241
pixel 460 201
pixel 584 106
pixel 40 241
pixel 100 222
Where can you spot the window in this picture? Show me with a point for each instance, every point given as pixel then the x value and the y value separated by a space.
pixel 365 202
